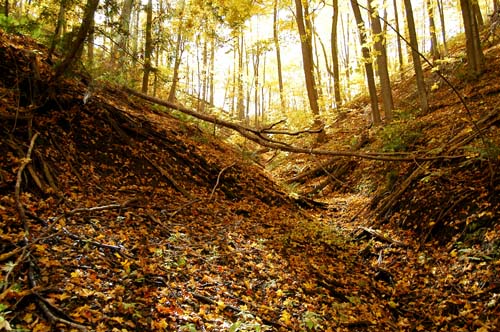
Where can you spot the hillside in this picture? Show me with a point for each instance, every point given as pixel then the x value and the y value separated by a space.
pixel 117 215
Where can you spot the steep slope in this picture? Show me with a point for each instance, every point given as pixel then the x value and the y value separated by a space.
pixel 117 216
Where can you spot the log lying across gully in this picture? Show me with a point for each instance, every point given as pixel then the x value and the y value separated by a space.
pixel 259 136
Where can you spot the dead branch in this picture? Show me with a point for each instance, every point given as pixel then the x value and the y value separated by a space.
pixel 46 306
pixel 384 238
pixel 218 179
pixel 169 178
pixel 26 160
pixel 256 136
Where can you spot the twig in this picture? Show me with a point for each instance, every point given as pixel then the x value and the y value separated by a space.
pixel 218 179
pixel 42 303
pixel 26 160
pixel 169 178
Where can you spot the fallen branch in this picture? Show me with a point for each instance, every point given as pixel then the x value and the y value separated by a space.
pixel 17 192
pixel 169 178
pixel 256 135
pixel 44 305
pixel 218 179
pixel 381 237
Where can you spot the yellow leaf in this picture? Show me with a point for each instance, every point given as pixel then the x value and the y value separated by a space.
pixel 220 305
pixel 286 317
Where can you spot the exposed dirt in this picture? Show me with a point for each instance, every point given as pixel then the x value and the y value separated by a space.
pixel 126 218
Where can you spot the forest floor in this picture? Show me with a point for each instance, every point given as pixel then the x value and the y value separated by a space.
pixel 118 215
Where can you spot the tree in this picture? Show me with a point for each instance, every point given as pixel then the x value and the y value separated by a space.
pixel 370 77
pixel 335 53
pixel 276 41
pixel 148 48
pixel 76 48
pixel 305 28
pixel 432 30
pixel 398 40
pixel 417 64
pixel 443 26
pixel 381 56
pixel 475 57
pixel 119 51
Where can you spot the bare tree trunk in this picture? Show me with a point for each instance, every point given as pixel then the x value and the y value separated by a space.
pixel 443 26
pixel 475 57
pixel 61 17
pixel 179 49
pixel 383 71
pixel 240 98
pixel 148 49
pixel 71 56
pixel 123 32
pixel 335 54
pixel 477 13
pixel 370 77
pixel 278 53
pixel 305 31
pixel 432 30
pixel 417 64
pixel 6 8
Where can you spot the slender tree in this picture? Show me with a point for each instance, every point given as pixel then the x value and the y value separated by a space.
pixel 398 40
pixel 381 57
pixel 475 57
pixel 370 77
pixel 417 64
pixel 443 26
pixel 432 30
pixel 277 47
pixel 77 46
pixel 148 48
pixel 335 53
pixel 305 31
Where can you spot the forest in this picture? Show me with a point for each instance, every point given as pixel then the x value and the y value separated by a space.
pixel 250 165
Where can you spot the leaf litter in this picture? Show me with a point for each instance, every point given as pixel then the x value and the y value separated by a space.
pixel 137 221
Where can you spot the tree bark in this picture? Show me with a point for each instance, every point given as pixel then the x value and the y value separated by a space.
pixel 148 48
pixel 59 24
pixel 179 49
pixel 475 57
pixel 335 54
pixel 432 30
pixel 370 77
pixel 417 64
pixel 398 40
pixel 307 57
pixel 443 26
pixel 383 71
pixel 278 54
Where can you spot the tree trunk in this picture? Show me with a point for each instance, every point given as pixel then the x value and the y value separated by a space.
pixel 477 14
pixel 432 28
pixel 370 77
pixel 148 49
pixel 177 64
pixel 398 40
pixel 475 57
pixel 278 54
pixel 123 32
pixel 335 54
pixel 383 71
pixel 417 64
pixel 71 56
pixel 307 58
pixel 6 8
pixel 443 26
pixel 240 103
pixel 61 17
